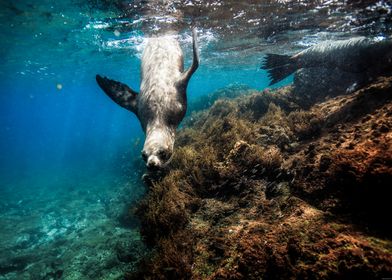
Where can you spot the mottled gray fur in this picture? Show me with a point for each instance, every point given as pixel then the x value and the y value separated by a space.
pixel 162 102
pixel 352 55
pixel 355 55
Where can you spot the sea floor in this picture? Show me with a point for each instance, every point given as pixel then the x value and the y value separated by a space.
pixel 69 228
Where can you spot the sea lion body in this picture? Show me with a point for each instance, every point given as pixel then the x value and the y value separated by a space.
pixel 162 102
pixel 161 106
pixel 355 55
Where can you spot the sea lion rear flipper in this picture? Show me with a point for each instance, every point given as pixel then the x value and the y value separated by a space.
pixel 186 76
pixel 120 93
pixel 278 66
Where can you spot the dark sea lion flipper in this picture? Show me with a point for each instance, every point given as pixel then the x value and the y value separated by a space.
pixel 186 76
pixel 120 93
pixel 278 66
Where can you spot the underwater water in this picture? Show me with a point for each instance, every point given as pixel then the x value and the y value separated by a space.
pixel 70 164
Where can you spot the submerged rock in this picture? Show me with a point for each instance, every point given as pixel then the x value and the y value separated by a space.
pixel 316 84
pixel 263 187
pixel 74 234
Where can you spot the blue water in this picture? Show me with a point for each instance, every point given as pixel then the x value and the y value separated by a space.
pixel 70 162
pixel 78 126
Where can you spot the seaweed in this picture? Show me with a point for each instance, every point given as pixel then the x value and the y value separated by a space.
pixel 229 92
pixel 262 187
pixel 163 211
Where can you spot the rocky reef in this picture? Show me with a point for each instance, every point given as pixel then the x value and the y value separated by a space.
pixel 269 186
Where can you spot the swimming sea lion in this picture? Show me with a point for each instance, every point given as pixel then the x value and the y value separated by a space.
pixel 355 55
pixel 162 102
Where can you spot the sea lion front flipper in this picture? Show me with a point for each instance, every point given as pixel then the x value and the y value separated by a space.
pixel 120 93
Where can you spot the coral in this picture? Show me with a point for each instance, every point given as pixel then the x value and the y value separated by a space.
pixel 264 187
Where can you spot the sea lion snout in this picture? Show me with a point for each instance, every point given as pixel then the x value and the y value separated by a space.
pixel 153 162
pixel 156 159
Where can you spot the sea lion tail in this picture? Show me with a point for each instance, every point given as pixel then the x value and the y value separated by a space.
pixel 278 67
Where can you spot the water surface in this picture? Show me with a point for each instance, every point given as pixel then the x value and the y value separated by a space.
pixel 70 161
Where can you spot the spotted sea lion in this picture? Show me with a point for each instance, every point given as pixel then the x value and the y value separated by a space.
pixel 355 55
pixel 161 104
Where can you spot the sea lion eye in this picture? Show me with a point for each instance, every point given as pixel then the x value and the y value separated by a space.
pixel 144 156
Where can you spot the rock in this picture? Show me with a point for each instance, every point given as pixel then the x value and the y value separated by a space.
pixel 314 85
pixel 129 251
pixel 240 202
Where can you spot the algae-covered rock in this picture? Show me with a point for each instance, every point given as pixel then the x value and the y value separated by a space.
pixel 229 92
pixel 269 186
pixel 318 83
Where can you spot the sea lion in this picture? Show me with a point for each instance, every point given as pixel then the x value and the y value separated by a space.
pixel 356 55
pixel 162 102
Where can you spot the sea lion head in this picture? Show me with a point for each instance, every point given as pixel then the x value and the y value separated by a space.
pixel 158 147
